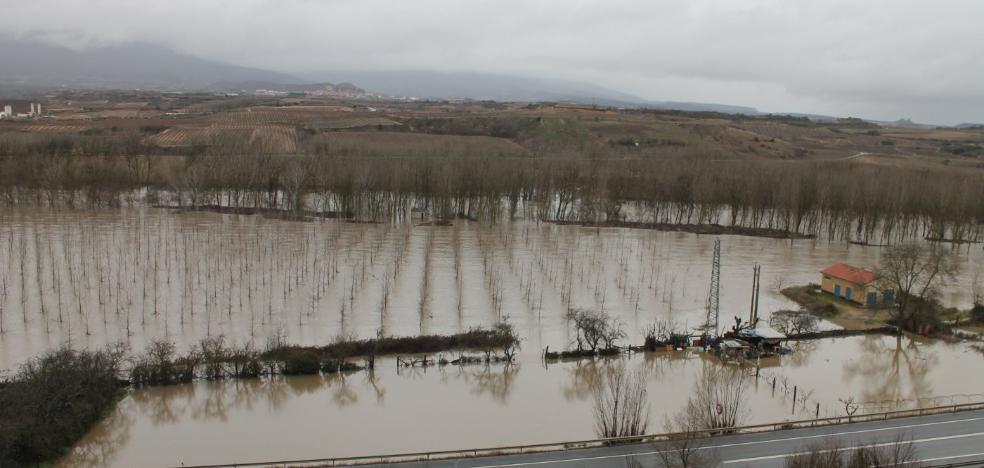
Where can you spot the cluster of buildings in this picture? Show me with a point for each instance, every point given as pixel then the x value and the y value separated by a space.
pixel 856 285
pixel 8 112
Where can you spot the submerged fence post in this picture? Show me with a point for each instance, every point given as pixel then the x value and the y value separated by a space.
pixel 794 399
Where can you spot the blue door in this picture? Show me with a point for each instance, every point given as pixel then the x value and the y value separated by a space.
pixel 848 293
pixel 837 290
pixel 872 299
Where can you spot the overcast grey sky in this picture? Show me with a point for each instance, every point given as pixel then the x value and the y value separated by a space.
pixel 880 59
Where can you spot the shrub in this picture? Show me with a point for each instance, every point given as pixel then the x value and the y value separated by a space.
pixel 245 362
pixel 52 401
pixel 302 362
pixel 338 365
pixel 213 355
pixel 977 313
pixel 160 365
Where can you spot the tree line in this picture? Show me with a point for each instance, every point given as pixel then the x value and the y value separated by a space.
pixel 832 199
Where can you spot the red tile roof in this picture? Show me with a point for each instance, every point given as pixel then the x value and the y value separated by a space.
pixel 853 274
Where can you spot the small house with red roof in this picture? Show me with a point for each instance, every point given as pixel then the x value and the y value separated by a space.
pixel 853 284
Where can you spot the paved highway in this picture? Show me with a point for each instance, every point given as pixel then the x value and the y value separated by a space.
pixel 938 439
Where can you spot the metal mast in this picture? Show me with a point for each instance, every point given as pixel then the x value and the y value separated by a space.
pixel 713 297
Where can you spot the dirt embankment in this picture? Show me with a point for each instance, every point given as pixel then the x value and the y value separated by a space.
pixel 711 229
pixel 886 330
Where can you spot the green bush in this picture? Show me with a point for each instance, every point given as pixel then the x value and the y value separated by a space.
pixel 302 362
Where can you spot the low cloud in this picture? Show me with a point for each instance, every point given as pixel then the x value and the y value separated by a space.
pixel 879 59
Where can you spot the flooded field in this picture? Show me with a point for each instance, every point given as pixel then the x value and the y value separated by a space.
pixel 134 275
pixel 90 278
pixel 479 406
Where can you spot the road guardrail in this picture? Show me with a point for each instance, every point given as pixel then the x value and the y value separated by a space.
pixel 583 444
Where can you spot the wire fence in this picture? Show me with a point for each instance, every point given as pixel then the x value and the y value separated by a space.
pixel 801 401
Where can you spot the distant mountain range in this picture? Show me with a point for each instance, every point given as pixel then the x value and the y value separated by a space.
pixel 484 86
pixel 35 65
pixel 27 66
pixel 969 125
pixel 133 66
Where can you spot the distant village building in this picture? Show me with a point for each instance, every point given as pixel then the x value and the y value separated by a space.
pixel 8 112
pixel 856 285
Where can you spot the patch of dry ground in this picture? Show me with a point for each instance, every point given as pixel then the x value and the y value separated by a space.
pixel 846 314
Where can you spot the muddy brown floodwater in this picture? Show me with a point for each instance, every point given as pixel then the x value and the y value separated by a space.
pixel 132 275
pixel 413 410
pixel 88 278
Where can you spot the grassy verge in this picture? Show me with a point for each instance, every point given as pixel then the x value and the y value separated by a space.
pixel 843 313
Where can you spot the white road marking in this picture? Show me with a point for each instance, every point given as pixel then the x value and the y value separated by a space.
pixel 884 444
pixel 951 457
pixel 737 444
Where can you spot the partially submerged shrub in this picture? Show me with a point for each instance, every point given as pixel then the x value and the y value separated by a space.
pixel 332 366
pixel 160 365
pixel 245 362
pixel 302 362
pixel 213 354
pixel 662 333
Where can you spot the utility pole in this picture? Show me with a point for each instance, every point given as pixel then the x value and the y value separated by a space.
pixel 713 296
pixel 756 285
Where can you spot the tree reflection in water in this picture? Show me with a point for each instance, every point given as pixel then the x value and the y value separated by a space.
pixel 341 392
pixel 585 374
pixel 802 352
pixel 164 405
pixel 372 380
pixel 892 369
pixel 488 379
pixel 101 444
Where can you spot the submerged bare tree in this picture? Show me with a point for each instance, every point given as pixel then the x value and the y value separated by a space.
pixel 595 329
pixel 794 322
pixel 719 402
pixel 620 406
pixel 720 399
pixel 915 272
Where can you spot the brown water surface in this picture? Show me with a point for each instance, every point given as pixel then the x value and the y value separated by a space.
pixel 413 410
pixel 86 279
pixel 91 278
